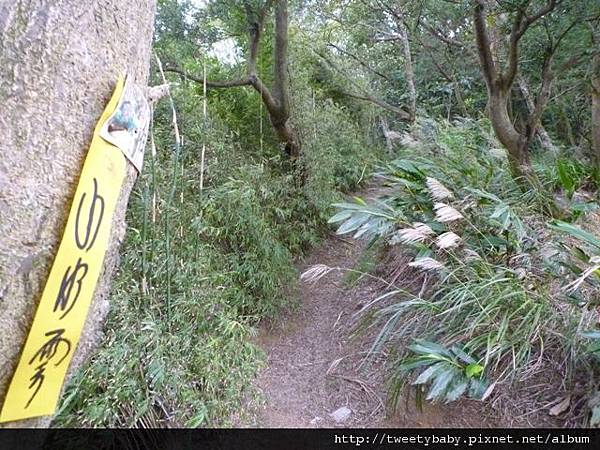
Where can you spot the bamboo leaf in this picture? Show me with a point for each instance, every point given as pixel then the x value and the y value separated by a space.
pixel 430 372
pixel 441 382
pixel 575 232
pixel 458 388
pixel 427 347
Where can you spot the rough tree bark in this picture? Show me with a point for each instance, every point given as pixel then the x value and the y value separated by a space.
pixel 276 99
pixel 59 63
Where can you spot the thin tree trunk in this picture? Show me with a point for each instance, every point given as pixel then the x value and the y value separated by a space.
pixel 408 71
pixel 542 134
pixel 386 134
pixel 566 124
pixel 59 63
pixel 276 99
pixel 460 102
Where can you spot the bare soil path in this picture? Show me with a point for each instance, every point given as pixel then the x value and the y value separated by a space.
pixel 315 367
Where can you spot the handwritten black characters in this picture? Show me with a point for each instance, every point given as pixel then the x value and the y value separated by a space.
pixel 89 238
pixel 44 354
pixel 71 286
pixel 73 278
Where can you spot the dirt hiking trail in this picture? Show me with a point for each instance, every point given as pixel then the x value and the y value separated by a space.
pixel 316 374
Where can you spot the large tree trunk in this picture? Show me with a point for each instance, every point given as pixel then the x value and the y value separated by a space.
pixel 59 63
pixel 506 132
pixel 499 81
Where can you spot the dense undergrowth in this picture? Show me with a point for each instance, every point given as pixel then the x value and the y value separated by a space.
pixel 490 308
pixel 501 295
pixel 201 267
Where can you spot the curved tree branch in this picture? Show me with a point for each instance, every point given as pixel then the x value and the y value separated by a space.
pixel 484 45
pixel 360 61
pixel 401 113
pixel 246 81
pixel 366 96
pixel 520 25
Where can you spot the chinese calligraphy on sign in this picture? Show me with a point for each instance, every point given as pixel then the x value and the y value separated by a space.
pixel 62 310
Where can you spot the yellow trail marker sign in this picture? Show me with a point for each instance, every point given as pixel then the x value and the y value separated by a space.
pixel 37 382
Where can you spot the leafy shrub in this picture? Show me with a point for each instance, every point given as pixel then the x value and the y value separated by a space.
pixel 234 219
pixel 451 372
pixel 203 265
pixel 586 268
pixel 177 348
pixel 489 290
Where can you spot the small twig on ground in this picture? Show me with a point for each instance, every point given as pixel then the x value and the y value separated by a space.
pixel 366 388
pixel 338 319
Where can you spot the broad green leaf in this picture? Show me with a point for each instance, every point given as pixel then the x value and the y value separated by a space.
pixel 442 380
pixel 345 205
pixel 458 388
pixel 499 211
pixel 353 223
pixel 595 419
pixel 575 232
pixel 428 373
pixel 464 357
pixel 591 334
pixel 338 217
pixel 413 363
pixel 584 207
pixel 359 200
pixel 484 195
pixel 408 166
pixel 565 177
pixel 426 347
pixel 477 387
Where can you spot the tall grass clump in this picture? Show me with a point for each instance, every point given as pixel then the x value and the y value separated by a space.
pixel 487 309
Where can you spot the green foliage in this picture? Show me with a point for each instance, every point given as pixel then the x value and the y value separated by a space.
pixel 176 307
pixel 451 373
pixel 236 218
pixel 489 289
pixel 585 252
pixel 567 175
pixel 367 264
pixel 577 233
pixel 594 401
pixel 202 267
